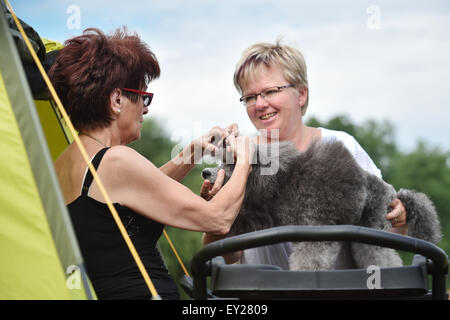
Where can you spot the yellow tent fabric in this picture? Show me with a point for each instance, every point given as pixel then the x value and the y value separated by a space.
pixel 30 265
pixel 51 45
pixel 40 257
pixel 57 135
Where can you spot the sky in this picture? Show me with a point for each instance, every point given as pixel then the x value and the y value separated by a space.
pixel 381 60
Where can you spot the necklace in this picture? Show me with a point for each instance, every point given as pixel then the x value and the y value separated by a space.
pixel 88 135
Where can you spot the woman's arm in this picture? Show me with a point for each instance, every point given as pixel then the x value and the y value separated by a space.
pixel 230 257
pixel 136 183
pixel 178 167
pixel 208 192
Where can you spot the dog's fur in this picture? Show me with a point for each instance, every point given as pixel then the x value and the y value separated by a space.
pixel 325 186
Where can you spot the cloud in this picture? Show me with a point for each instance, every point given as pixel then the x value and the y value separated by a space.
pixel 398 73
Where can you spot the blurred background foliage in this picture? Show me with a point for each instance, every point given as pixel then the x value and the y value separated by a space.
pixel 425 169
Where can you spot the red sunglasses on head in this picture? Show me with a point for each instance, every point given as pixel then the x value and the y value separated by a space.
pixel 147 97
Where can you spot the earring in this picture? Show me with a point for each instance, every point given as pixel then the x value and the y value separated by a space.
pixel 118 110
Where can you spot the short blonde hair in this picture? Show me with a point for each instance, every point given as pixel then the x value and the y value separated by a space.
pixel 268 54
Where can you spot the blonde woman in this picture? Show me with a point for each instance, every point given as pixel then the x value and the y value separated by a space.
pixel 273 84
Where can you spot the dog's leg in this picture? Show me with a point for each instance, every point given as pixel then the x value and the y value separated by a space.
pixel 376 207
pixel 366 255
pixel 314 255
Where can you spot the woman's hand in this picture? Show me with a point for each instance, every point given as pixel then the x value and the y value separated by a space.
pixel 242 147
pixel 209 142
pixel 397 216
pixel 179 166
pixel 208 191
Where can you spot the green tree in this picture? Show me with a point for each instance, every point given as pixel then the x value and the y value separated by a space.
pixel 154 143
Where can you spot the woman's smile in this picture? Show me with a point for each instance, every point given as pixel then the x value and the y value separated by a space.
pixel 268 116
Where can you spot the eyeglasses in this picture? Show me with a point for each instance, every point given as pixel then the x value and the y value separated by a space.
pixel 266 94
pixel 147 97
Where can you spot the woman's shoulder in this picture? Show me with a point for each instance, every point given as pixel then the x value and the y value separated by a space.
pixel 348 140
pixel 360 155
pixel 122 153
pixel 125 158
pixel 340 135
pixel 64 158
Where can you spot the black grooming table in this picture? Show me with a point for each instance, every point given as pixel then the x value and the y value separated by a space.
pixel 270 282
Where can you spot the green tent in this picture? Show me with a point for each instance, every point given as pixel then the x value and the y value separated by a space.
pixel 39 254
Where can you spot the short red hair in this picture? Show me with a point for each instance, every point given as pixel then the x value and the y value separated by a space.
pixel 92 65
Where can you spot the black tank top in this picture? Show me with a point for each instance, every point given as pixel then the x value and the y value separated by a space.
pixel 109 263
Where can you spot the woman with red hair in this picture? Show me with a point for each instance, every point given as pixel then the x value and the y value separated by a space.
pixel 101 80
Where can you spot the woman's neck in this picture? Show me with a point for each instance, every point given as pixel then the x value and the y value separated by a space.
pixel 304 136
pixel 102 136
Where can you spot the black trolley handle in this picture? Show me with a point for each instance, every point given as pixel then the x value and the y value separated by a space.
pixel 201 268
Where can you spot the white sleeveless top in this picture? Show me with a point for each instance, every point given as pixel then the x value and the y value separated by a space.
pixel 278 254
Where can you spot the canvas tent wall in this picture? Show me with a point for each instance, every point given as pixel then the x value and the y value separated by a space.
pixel 38 247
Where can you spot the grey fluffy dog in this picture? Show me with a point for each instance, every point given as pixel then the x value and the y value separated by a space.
pixel 325 186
